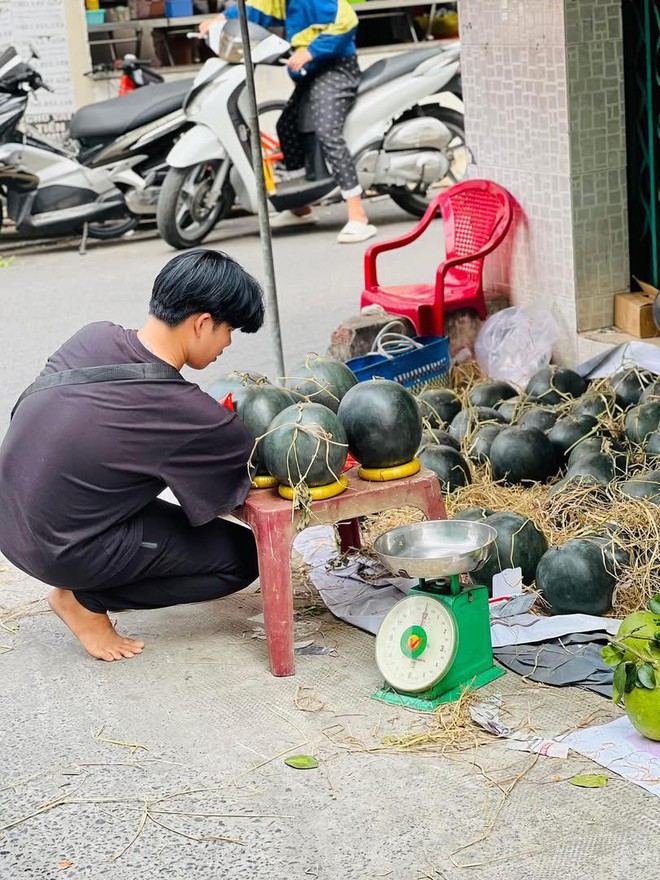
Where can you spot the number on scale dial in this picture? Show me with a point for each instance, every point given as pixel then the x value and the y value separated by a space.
pixel 416 644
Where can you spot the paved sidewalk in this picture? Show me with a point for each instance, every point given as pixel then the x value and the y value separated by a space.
pixel 206 717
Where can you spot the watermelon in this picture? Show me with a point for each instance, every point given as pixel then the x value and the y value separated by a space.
pixel 382 423
pixel 321 380
pixel 596 403
pixel 551 385
pixel 598 443
pixel 576 482
pixel 474 514
pixel 642 421
pixel 523 455
pixel 438 406
pixel 653 445
pixel 467 420
pixel 481 442
pixel 448 465
pixel 628 385
pixel 257 406
pixel 538 417
pixel 490 393
pixel 442 438
pixel 568 431
pixel 651 392
pixel 235 384
pixel 519 544
pixel 510 409
pixel 597 465
pixel 306 443
pixel 644 487
pixel 574 579
pixel 615 555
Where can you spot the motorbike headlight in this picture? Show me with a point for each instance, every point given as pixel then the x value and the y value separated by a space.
pixel 231 48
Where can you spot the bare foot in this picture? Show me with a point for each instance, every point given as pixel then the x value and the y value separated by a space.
pixel 94 631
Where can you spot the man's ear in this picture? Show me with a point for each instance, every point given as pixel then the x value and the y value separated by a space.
pixel 201 322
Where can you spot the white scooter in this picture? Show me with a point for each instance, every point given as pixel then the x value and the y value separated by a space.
pixel 403 146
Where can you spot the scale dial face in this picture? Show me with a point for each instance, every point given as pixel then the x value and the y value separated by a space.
pixel 416 644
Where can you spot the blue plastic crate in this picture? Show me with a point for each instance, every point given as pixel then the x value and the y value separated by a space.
pixel 416 369
pixel 178 8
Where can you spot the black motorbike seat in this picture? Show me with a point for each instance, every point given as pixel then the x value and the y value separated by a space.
pixel 116 116
pixel 391 68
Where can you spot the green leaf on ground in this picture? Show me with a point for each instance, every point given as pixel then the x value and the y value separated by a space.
pixel 654 604
pixel 302 762
pixel 646 676
pixel 612 654
pixel 589 780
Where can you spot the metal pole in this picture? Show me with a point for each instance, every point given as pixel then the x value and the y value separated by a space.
pixel 270 287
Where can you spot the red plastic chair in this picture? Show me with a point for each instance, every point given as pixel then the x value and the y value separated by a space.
pixel 477 215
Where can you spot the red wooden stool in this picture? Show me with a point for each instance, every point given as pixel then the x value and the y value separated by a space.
pixel 270 518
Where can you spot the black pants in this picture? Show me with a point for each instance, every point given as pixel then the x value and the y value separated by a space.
pixel 177 564
pixel 331 93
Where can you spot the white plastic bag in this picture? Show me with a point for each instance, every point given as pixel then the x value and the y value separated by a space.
pixel 516 342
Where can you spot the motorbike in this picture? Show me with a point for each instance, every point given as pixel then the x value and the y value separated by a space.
pixel 108 173
pixel 135 73
pixel 405 142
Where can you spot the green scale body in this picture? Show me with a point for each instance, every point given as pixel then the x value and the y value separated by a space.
pixel 452 641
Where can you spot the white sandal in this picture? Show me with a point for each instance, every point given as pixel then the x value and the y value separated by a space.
pixel 355 232
pixel 287 220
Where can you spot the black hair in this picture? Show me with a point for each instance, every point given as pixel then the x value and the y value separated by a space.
pixel 207 281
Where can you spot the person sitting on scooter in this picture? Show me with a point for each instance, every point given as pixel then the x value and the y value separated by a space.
pixel 324 66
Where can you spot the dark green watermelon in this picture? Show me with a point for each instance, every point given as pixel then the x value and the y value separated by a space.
pixel 615 554
pixel 538 417
pixel 235 384
pixel 597 465
pixel 448 465
pixel 551 385
pixel 382 423
pixel 642 421
pixel 481 442
pixel 474 514
pixel 467 420
pixel 651 392
pixel 490 393
pixel 568 431
pixel 321 380
pixel 442 438
pixel 574 579
pixel 629 384
pixel 598 443
pixel 596 403
pixel 523 455
pixel 519 544
pixel 576 482
pixel 645 487
pixel 510 409
pixel 305 443
pixel 257 406
pixel 438 406
pixel 652 448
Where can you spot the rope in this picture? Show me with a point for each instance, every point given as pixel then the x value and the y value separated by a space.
pixel 390 344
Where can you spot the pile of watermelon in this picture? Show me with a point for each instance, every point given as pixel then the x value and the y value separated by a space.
pixel 600 439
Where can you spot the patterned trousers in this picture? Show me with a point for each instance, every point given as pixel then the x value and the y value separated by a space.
pixel 331 94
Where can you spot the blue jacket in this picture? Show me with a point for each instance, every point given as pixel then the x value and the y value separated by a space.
pixel 326 27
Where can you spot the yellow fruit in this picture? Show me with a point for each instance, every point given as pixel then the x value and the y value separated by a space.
pixel 642 625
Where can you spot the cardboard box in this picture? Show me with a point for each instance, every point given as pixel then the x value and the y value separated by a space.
pixel 633 312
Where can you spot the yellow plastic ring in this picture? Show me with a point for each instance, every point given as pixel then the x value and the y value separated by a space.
pixel 384 475
pixel 318 493
pixel 264 481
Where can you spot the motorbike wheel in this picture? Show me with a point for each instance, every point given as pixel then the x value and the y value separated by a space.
pixel 416 201
pixel 183 219
pixel 109 229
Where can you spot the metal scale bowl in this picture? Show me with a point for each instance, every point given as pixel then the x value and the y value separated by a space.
pixel 436 642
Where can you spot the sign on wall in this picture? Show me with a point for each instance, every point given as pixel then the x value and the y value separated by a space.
pixel 25 23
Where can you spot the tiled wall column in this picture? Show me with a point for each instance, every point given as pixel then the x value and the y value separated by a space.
pixel 543 88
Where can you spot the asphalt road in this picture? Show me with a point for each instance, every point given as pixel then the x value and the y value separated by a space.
pixel 48 295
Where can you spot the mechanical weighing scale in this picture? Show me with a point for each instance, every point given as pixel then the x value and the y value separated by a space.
pixel 436 642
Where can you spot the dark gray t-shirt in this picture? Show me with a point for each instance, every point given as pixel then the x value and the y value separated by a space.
pixel 79 462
